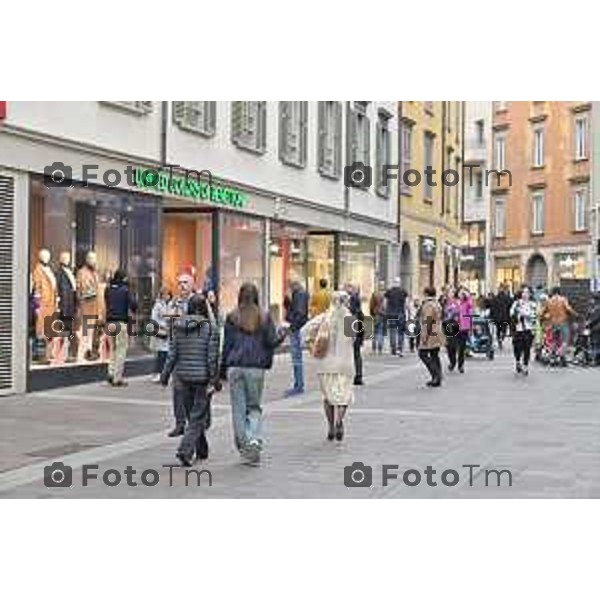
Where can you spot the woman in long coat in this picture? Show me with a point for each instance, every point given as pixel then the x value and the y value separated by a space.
pixel 335 361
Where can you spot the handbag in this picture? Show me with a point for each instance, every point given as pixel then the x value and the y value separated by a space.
pixel 321 343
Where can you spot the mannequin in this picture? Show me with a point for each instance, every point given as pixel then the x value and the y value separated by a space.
pixel 88 299
pixel 44 283
pixel 67 302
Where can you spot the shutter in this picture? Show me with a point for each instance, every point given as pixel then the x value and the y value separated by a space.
pixel 379 156
pixel 303 133
pixel 7 234
pixel 321 136
pixel 179 112
pixel 351 136
pixel 388 155
pixel 211 123
pixel 338 138
pixel 284 125
pixel 367 153
pixel 237 117
pixel 261 113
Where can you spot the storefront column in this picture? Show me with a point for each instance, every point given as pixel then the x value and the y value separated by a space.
pixel 216 250
pixel 266 265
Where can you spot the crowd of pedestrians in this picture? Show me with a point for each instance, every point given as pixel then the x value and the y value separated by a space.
pixel 198 347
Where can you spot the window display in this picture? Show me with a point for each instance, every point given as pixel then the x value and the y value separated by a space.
pixel 287 263
pixel 321 252
pixel 358 266
pixel 242 256
pixel 104 229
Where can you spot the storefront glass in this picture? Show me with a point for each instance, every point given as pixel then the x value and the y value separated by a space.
pixel 358 265
pixel 74 226
pixel 241 255
pixel 569 266
pixel 508 273
pixel 321 260
pixel 287 263
pixel 187 248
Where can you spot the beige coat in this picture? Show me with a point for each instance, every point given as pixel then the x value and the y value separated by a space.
pixel 44 283
pixel 90 293
pixel 432 333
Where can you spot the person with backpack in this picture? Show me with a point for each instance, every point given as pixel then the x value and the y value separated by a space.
pixel 395 307
pixel 333 350
pixel 194 358
pixel 248 348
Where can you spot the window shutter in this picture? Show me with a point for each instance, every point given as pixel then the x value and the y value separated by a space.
pixel 237 110
pixel 367 150
pixel 211 117
pixel 179 112
pixel 321 133
pixel 262 125
pixel 7 236
pixel 351 140
pixel 338 139
pixel 379 156
pixel 303 149
pixel 284 125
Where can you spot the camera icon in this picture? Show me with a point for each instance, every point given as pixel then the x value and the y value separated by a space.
pixel 354 327
pixel 358 175
pixel 54 327
pixel 58 475
pixel 451 328
pixel 358 475
pixel 58 175
pixel 413 328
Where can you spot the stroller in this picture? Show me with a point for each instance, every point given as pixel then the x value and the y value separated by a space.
pixel 480 338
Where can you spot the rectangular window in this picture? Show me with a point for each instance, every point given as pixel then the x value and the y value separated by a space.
pixel 199 116
pixel 499 218
pixel 500 152
pixel 428 144
pixel 479 127
pixel 538 147
pixel 361 134
pixel 449 191
pixel 479 185
pixel 581 137
pixel 330 139
pixel 249 125
pixel 293 121
pixel 580 210
pixel 537 213
pixel 384 154
pixel 406 131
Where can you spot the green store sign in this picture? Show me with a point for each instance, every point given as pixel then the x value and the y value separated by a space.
pixel 189 187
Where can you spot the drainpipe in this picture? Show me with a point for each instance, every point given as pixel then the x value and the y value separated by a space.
pixel 163 132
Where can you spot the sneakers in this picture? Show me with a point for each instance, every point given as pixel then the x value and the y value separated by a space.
pixel 251 453
pixel 293 392
pixel 155 378
pixel 519 368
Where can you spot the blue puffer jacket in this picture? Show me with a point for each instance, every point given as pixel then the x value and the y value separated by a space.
pixel 244 349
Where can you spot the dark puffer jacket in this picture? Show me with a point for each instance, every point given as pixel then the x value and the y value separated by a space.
pixel 193 351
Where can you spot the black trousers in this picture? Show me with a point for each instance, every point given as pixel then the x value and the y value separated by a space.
pixel 456 348
pixel 522 341
pixel 197 409
pixel 161 358
pixel 501 330
pixel 431 359
pixel 358 363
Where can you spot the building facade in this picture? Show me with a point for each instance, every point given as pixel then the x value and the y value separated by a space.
pixel 476 235
pixel 431 139
pixel 540 207
pixel 267 203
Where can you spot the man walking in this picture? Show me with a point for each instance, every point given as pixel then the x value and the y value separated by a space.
pixel 358 328
pixel 296 305
pixel 432 337
pixel 119 304
pixel 395 310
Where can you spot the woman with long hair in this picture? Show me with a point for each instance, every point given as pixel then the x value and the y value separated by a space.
pixel 248 347
pixel 334 351
pixel 523 315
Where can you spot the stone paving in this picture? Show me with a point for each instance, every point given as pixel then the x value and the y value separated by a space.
pixel 543 429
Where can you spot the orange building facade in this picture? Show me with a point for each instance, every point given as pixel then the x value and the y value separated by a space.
pixel 540 193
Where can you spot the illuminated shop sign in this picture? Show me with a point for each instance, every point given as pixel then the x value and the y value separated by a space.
pixel 189 187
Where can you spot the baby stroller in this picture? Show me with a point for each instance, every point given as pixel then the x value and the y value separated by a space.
pixel 480 338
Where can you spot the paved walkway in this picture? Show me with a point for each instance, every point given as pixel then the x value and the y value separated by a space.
pixel 542 429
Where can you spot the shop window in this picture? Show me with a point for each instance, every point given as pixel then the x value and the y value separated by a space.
pixel 321 260
pixel 241 256
pixel 358 265
pixel 79 237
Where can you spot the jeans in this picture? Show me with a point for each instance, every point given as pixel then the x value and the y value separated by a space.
pixel 431 359
pixel 396 327
pixel 358 364
pixel 161 357
pixel 118 353
pixel 378 333
pixel 522 341
pixel 296 354
pixel 560 339
pixel 246 387
pixel 197 409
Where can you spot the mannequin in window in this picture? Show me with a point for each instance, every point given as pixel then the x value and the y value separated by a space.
pixel 67 302
pixel 88 283
pixel 44 284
